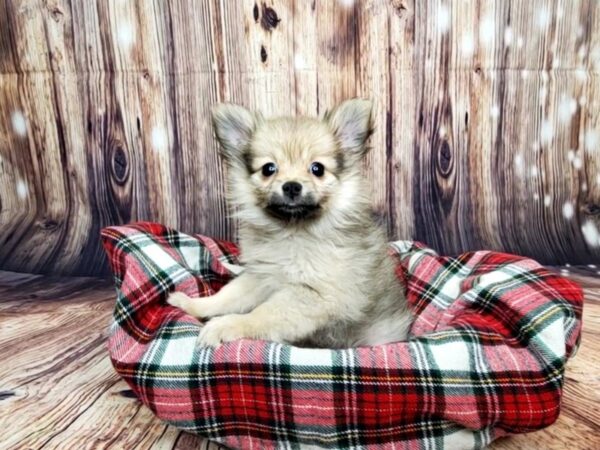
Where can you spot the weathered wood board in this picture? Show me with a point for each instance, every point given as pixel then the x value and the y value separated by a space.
pixel 59 391
pixel 487 121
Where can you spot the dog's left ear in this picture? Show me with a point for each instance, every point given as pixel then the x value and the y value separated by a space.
pixel 352 124
pixel 234 126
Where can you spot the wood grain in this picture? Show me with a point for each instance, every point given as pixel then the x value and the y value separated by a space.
pixel 483 111
pixel 59 389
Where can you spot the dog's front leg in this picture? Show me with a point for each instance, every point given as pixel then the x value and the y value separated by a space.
pixel 238 296
pixel 291 314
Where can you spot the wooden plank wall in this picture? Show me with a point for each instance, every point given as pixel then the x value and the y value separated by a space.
pixel 488 116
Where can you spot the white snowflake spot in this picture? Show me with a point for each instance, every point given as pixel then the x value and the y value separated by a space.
pixel 22 189
pixel 467 45
pixel 508 36
pixel 595 58
pixel 555 63
pixel 19 123
pixel 126 35
pixel 580 31
pixel 545 77
pixel 520 42
pixel 495 112
pixel 519 163
pixel 536 196
pixel 577 163
pixel 444 19
pixel 590 233
pixel 347 3
pixel 592 266
pixel 160 139
pixel 442 132
pixel 299 62
pixel 584 187
pixel 566 108
pixel 524 74
pixel 567 265
pixel 543 93
pixel 546 132
pixel 582 100
pixel 534 172
pixel 591 140
pixel 568 210
pixel 547 200
pixel 581 74
pixel 544 17
pixel 571 155
pixel 487 30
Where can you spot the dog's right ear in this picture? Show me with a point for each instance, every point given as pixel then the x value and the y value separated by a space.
pixel 234 126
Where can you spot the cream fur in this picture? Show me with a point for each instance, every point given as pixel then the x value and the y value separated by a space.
pixel 324 280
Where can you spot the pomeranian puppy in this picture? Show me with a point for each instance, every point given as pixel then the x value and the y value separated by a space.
pixel 316 266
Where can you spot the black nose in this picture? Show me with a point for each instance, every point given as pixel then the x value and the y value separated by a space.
pixel 291 189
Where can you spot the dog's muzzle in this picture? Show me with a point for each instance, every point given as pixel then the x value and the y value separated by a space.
pixel 286 209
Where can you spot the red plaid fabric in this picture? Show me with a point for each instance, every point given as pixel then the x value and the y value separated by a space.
pixel 486 355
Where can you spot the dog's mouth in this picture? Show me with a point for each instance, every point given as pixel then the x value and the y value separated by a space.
pixel 292 211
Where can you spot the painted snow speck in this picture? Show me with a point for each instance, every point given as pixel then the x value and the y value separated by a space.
pixel 546 132
pixel 126 35
pixel 590 233
pixel 467 45
pixel 508 36
pixel 444 19
pixel 19 123
pixel 160 139
pixel 567 106
pixel 487 30
pixel 568 210
pixel 299 62
pixel 591 140
pixel 22 189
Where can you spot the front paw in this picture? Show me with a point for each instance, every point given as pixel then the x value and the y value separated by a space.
pixel 179 300
pixel 224 329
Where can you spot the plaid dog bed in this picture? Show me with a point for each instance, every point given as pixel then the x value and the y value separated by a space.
pixel 486 355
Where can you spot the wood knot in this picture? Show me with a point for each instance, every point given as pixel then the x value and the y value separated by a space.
pixel 48 224
pixel 255 12
pixel 263 54
pixel 591 209
pixel 56 14
pixel 120 165
pixel 399 7
pixel 445 159
pixel 7 394
pixel 269 19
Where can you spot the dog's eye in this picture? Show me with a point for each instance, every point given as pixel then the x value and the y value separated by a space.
pixel 317 169
pixel 269 169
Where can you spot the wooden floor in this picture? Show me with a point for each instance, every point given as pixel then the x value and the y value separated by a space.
pixel 58 389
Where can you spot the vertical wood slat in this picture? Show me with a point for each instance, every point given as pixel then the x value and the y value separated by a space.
pixel 473 147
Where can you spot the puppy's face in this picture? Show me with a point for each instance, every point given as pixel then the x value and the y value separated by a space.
pixel 293 169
